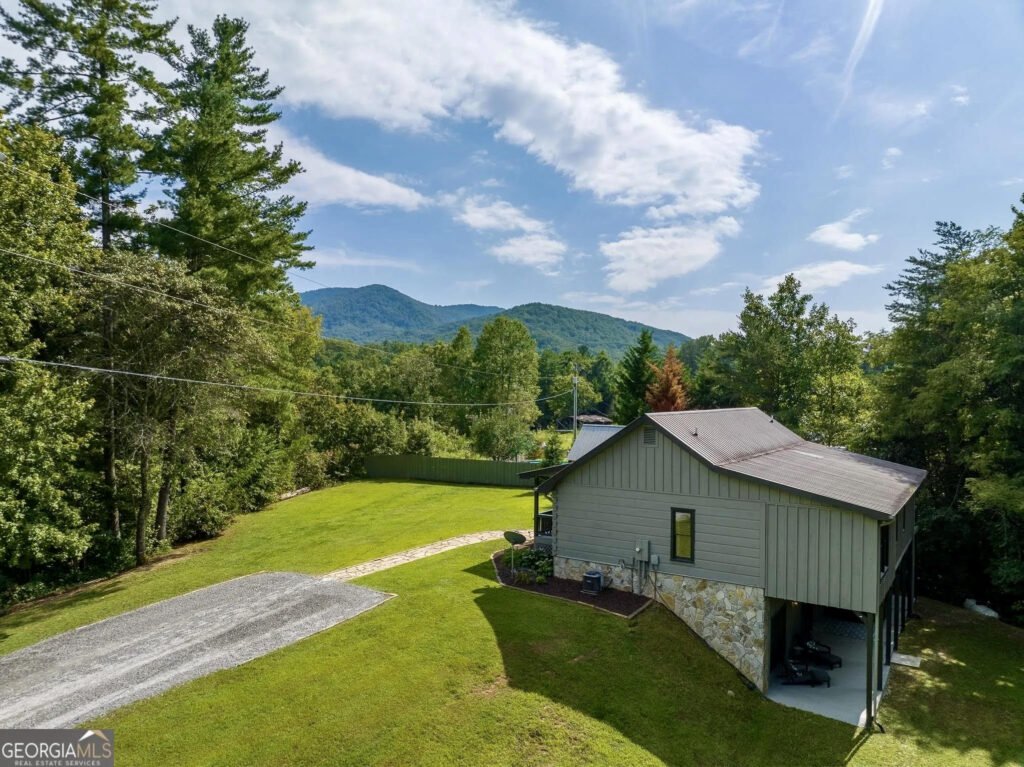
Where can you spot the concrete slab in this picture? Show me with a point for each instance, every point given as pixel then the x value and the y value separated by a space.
pixel 902 659
pixel 81 674
pixel 845 699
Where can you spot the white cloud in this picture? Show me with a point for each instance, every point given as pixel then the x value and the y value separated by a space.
pixel 867 30
pixel 473 285
pixel 838 235
pixel 826 274
pixel 712 290
pixel 478 212
pixel 820 45
pixel 327 182
pixel 641 257
pixel 416 66
pixel 537 250
pixel 873 319
pixel 763 39
pixel 536 244
pixel 961 97
pixel 329 257
pixel 894 110
pixel 668 313
pixel 844 172
pixel 890 156
pixel 1012 181
pixel 593 299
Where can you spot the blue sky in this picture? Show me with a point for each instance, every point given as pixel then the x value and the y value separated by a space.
pixel 645 159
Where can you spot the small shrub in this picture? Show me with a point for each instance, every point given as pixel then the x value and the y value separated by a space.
pixel 534 566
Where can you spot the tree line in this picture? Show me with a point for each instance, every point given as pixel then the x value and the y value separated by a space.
pixel 942 389
pixel 98 471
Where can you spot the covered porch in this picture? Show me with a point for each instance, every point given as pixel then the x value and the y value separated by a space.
pixel 847 697
pixel 863 642
pixel 543 518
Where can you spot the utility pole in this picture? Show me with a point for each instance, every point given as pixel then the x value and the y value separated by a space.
pixel 575 400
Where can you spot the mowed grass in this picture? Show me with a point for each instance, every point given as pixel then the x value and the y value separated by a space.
pixel 311 533
pixel 457 670
pixel 460 671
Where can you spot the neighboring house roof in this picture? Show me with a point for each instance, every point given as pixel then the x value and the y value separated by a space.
pixel 746 442
pixel 590 418
pixel 590 436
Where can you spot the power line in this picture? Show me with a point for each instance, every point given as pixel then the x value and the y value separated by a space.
pixel 153 220
pixel 223 309
pixel 266 389
pixel 140 288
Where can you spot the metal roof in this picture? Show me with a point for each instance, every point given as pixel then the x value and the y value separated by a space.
pixel 848 478
pixel 724 435
pixel 749 443
pixel 590 436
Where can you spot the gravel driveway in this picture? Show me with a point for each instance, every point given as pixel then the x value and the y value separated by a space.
pixel 80 674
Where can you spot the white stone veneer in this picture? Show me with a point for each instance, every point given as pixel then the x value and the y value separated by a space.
pixel 730 618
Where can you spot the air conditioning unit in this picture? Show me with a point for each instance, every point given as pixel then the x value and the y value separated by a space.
pixel 593 582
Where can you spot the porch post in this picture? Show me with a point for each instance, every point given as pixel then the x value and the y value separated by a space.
pixel 869 625
pixel 913 574
pixel 536 512
pixel 898 607
pixel 879 639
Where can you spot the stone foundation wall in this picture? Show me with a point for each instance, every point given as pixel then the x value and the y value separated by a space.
pixel 730 618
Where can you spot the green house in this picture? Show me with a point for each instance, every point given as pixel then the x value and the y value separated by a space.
pixel 755 537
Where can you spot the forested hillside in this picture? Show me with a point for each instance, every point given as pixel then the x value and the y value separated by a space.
pixel 379 313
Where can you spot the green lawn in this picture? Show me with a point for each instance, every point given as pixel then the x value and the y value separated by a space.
pixel 311 533
pixel 458 670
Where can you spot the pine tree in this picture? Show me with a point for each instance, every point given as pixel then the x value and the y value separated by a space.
pixel 223 185
pixel 222 181
pixel 668 392
pixel 634 376
pixel 84 79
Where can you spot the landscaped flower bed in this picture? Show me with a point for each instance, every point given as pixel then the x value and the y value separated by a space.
pixel 532 574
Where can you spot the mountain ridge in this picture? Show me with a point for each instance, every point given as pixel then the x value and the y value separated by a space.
pixel 375 313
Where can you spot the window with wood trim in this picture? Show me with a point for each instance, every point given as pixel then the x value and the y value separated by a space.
pixel 682 535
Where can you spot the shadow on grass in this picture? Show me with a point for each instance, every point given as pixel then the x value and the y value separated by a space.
pixel 32 612
pixel 654 682
pixel 968 695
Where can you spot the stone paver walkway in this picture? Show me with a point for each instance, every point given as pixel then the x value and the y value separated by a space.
pixel 411 555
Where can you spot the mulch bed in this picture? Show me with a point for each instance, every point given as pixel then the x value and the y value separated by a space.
pixel 614 601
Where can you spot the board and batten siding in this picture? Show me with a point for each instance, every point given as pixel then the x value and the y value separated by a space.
pixel 825 556
pixel 626 493
pixel 747 533
pixel 605 524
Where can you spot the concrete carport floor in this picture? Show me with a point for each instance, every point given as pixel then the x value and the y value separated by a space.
pixel 845 699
